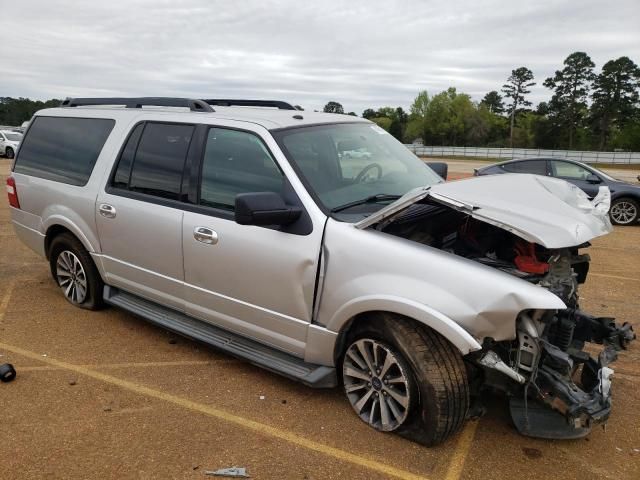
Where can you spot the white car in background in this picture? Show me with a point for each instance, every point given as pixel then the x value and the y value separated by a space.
pixel 9 142
pixel 360 153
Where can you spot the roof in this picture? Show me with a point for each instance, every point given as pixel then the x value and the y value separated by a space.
pixel 269 118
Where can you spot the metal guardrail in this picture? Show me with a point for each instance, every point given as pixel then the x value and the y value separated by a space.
pixel 509 153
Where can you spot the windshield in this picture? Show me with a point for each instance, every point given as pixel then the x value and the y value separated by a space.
pixel 13 137
pixel 348 164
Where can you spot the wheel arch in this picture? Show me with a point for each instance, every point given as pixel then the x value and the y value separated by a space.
pixel 56 228
pixel 357 312
pixel 626 194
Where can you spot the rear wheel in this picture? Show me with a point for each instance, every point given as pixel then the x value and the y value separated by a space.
pixel 403 377
pixel 9 153
pixel 75 273
pixel 624 211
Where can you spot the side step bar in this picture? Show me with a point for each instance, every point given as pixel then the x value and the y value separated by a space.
pixel 317 376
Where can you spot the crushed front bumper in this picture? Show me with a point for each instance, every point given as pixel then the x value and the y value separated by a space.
pixel 562 409
pixel 570 391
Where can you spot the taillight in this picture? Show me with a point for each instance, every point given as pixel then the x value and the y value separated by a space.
pixel 12 192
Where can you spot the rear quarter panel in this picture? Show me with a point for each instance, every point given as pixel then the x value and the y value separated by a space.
pixel 45 203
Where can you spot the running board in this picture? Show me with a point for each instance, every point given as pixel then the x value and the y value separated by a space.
pixel 317 376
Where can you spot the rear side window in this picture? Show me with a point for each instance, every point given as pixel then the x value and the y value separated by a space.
pixel 537 167
pixel 121 177
pixel 63 149
pixel 152 161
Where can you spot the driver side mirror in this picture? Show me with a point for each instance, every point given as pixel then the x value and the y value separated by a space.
pixel 593 178
pixel 441 168
pixel 264 208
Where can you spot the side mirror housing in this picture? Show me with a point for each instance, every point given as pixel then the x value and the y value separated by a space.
pixel 441 168
pixel 593 178
pixel 264 208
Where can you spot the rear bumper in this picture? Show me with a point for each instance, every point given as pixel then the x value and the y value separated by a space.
pixel 30 237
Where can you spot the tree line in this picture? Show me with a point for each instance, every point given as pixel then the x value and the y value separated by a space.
pixel 586 111
pixel 15 111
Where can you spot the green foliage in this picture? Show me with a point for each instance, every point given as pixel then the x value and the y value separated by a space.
pixel 15 111
pixel 571 87
pixel 383 122
pixel 493 102
pixel 517 86
pixel 627 137
pixel 369 113
pixel 333 107
pixel 615 97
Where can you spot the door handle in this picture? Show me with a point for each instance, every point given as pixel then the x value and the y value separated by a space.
pixel 107 210
pixel 205 235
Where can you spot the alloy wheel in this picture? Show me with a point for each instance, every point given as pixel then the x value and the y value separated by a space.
pixel 624 212
pixel 71 277
pixel 376 384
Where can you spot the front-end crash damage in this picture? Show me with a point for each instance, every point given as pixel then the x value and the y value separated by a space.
pixel 535 229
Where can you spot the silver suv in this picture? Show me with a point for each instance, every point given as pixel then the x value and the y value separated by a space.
pixel 250 226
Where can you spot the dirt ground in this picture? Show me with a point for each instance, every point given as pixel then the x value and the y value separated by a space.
pixel 106 395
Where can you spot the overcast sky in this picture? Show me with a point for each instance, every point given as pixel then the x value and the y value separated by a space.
pixel 359 53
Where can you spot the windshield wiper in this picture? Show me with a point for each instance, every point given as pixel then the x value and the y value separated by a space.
pixel 378 197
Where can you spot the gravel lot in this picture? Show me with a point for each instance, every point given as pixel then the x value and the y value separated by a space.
pixel 105 395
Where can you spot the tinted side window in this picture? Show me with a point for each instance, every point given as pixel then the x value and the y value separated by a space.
pixel 121 177
pixel 236 162
pixel 538 167
pixel 569 170
pixel 159 160
pixel 63 149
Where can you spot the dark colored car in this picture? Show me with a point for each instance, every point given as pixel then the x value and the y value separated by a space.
pixel 625 197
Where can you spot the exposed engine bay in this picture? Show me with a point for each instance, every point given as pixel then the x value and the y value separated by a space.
pixel 556 388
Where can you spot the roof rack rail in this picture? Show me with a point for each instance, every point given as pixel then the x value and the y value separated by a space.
pixel 226 102
pixel 193 104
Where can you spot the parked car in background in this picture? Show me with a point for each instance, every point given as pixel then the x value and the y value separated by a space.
pixel 9 142
pixel 625 197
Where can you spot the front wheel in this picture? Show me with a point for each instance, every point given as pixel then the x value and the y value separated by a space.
pixel 9 152
pixel 400 376
pixel 624 211
pixel 75 273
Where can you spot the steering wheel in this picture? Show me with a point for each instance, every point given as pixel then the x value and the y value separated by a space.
pixel 363 173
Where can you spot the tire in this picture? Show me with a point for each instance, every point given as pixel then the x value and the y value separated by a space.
pixel 624 211
pixel 75 273
pixel 435 388
pixel 9 152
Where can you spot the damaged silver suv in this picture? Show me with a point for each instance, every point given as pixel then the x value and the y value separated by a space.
pixel 246 225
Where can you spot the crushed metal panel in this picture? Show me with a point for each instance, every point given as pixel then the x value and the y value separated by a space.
pixel 547 211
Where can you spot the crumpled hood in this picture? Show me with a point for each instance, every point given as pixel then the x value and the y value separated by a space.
pixel 544 210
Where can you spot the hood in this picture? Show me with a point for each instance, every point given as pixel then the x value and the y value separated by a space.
pixel 544 210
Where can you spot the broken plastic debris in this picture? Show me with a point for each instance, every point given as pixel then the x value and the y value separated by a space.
pixel 261 397
pixel 229 472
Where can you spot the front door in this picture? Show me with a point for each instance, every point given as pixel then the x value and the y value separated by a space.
pixel 256 281
pixel 576 174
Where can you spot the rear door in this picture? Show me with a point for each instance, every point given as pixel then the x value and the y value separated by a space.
pixel 576 174
pixel 139 214
pixel 256 281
